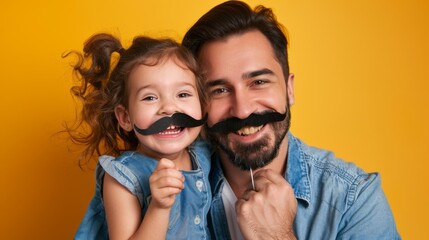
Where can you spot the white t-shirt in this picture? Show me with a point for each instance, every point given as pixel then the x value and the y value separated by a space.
pixel 229 199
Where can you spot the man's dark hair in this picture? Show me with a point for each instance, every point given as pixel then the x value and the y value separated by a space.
pixel 236 17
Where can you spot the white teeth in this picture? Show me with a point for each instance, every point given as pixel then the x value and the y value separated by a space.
pixel 171 130
pixel 249 130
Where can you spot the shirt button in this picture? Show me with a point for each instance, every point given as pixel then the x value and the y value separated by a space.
pixel 197 220
pixel 199 185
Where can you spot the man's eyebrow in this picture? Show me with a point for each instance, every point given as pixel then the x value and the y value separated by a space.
pixel 213 83
pixel 247 75
pixel 257 73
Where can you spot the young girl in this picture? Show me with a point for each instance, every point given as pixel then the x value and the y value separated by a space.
pixel 146 111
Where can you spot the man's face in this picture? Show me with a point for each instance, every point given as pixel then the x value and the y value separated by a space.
pixel 244 77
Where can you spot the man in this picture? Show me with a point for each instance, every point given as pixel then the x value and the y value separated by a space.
pixel 297 191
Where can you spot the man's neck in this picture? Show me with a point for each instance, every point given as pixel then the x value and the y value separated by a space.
pixel 240 180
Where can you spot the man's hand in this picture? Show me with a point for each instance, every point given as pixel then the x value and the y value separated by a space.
pixel 165 182
pixel 269 211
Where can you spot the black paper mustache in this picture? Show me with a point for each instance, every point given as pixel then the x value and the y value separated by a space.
pixel 177 119
pixel 234 124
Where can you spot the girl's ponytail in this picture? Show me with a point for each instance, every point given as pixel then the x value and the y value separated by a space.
pixel 92 71
pixel 98 51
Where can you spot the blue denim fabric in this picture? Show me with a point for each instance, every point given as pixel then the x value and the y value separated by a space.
pixel 336 199
pixel 188 216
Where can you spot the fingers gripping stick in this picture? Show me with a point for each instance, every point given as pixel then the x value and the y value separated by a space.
pixel 253 181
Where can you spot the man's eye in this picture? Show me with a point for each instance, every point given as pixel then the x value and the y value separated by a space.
pixel 259 82
pixel 219 91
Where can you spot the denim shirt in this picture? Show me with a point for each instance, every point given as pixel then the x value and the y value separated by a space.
pixel 336 199
pixel 188 215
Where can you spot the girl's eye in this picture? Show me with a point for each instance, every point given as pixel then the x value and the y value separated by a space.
pixel 149 98
pixel 184 95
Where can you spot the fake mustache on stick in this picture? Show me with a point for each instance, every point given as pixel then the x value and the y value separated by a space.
pixel 234 124
pixel 177 119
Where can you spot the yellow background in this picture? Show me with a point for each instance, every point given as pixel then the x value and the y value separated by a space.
pixel 362 73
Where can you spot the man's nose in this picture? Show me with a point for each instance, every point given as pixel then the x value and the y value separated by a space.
pixel 242 105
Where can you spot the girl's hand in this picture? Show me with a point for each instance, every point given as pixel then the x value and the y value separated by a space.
pixel 165 182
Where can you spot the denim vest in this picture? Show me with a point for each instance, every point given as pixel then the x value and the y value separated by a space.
pixel 189 212
pixel 336 199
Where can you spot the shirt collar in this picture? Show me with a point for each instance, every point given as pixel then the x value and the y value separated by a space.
pixel 296 170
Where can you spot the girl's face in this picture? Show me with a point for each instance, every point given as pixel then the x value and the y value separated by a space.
pixel 159 91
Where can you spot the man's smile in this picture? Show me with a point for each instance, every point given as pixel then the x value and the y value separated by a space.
pixel 250 125
pixel 246 131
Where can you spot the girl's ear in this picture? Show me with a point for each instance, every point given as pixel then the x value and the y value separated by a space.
pixel 123 118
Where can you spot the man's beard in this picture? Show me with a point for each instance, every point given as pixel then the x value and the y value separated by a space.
pixel 257 154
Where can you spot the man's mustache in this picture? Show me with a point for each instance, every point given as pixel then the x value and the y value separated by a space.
pixel 178 119
pixel 234 124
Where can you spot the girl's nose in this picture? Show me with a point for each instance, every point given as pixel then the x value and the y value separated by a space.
pixel 168 108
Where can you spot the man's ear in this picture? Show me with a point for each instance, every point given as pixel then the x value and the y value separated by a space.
pixel 290 89
pixel 123 118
